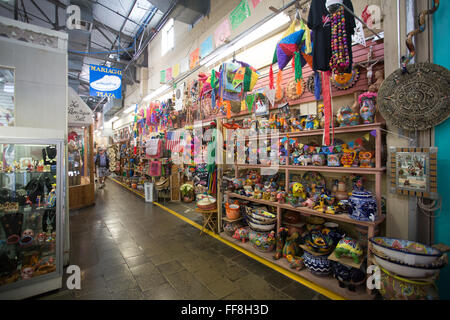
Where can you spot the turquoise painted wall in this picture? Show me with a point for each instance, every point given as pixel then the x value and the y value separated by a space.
pixel 441 50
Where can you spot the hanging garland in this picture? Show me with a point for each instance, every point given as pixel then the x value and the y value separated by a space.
pixel 340 59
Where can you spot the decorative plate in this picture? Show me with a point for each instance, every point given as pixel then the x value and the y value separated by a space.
pixel 344 81
pixel 418 99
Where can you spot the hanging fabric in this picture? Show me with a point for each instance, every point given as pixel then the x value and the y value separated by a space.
pixel 328 111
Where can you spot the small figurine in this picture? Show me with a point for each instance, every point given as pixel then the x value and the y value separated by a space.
pixel 295 262
pixel 298 190
pixel 241 234
pixel 281 196
pixel 321 207
pixel 281 239
pixel 350 248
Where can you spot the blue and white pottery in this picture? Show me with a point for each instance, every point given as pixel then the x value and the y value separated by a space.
pixel 318 265
pixel 362 206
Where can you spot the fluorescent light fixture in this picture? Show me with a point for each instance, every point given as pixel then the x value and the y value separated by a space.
pixel 276 22
pixel 156 93
pixel 130 109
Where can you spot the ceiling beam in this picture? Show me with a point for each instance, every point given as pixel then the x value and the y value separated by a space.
pixel 42 12
pixel 112 30
pixel 98 57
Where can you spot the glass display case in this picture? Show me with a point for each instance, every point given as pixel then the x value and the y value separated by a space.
pixel 30 217
pixel 80 167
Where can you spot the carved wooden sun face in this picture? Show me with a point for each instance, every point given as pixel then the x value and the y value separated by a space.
pixel 342 78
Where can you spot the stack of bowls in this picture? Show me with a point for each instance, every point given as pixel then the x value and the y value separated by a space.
pixel 413 264
pixel 317 247
pixel 260 220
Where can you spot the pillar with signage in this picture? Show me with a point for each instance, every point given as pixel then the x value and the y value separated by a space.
pixel 80 153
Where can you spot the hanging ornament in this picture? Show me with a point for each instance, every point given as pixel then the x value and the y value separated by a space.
pixel 340 59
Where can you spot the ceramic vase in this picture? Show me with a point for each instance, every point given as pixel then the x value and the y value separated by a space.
pixel 346 117
pixel 362 206
pixel 367 110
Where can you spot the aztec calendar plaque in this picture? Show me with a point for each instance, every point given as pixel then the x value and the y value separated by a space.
pixel 418 99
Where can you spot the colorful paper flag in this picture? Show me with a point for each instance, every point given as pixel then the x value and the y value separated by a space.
pixel 176 70
pixel 366 136
pixel 168 74
pixel 373 133
pixel 249 99
pixel 184 65
pixel 162 76
pixel 194 58
pixel 222 33
pixel 206 47
pixel 255 3
pixel 239 14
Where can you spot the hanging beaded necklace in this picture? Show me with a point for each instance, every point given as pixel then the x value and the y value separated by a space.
pixel 340 59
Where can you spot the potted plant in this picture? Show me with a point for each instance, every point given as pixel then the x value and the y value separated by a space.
pixel 187 192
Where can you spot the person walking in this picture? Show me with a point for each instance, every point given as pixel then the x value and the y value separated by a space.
pixel 102 166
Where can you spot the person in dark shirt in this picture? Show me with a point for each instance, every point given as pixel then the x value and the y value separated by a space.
pixel 319 21
pixel 102 166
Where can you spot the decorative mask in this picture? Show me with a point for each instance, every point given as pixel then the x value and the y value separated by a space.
pixel 27 272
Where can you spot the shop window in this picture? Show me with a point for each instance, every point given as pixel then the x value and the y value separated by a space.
pixel 7 102
pixel 167 37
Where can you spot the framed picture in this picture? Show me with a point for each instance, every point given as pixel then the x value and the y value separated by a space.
pixel 414 171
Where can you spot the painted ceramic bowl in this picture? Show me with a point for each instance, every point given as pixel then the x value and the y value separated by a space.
pixel 405 270
pixel 260 222
pixel 318 265
pixel 263 215
pixel 261 227
pixel 406 251
pixel 393 287
pixel 318 242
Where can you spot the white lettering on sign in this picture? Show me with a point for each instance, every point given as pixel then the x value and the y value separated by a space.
pixel 74 17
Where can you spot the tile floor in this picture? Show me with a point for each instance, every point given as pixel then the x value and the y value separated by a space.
pixel 129 249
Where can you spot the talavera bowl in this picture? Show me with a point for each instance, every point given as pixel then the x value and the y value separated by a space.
pixel 409 252
pixel 407 271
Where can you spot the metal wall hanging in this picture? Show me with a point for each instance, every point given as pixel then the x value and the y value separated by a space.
pixel 414 171
pixel 418 99
pixel 416 96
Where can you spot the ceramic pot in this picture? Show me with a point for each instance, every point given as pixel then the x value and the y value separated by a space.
pixel 341 193
pixel 366 159
pixel 262 241
pixel 318 159
pixel 393 287
pixel 318 242
pixel 231 227
pixel 367 110
pixel 347 158
pixel 318 265
pixel 232 211
pixel 333 160
pixel 346 117
pixel 362 206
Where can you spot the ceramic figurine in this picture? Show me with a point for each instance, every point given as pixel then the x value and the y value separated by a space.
pixel 321 207
pixel 291 245
pixel 273 196
pixel 349 247
pixel 241 234
pixel 311 122
pixel 367 103
pixel 346 117
pixel 281 239
pixel 257 194
pixel 266 195
pixel 295 262
pixel 248 191
pixel 298 190
pixel 366 159
pixel 281 197
pixel 309 203
pixel 305 159
pixel 348 276
pixel 291 199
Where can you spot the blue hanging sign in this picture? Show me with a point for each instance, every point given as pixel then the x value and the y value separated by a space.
pixel 105 82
